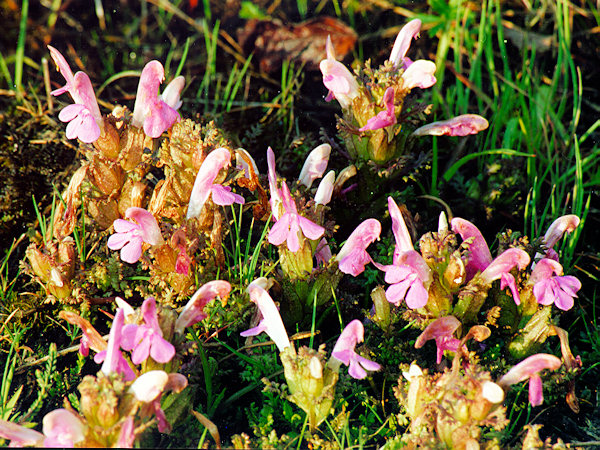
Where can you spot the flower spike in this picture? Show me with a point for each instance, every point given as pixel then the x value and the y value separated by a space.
pixel 344 351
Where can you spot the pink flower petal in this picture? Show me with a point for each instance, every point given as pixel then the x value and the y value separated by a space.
pixel 457 126
pixel 402 43
pixel 132 251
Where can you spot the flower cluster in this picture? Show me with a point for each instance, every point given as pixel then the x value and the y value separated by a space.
pixel 375 126
pixel 138 364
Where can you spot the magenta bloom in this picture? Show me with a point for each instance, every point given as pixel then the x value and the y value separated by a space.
pixel 384 118
pixel 442 330
pixel 290 224
pixel 479 256
pixel 457 126
pixel 353 256
pixel 130 236
pixel 530 368
pixel 271 322
pixel 85 120
pixel 193 311
pixel 402 43
pixel 114 361
pixel 151 111
pixel 337 78
pixel 548 288
pixel 500 267
pixel 344 351
pixel 315 165
pixel 147 339
pixel 204 186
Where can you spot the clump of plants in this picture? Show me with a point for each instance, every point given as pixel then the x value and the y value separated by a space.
pixel 162 191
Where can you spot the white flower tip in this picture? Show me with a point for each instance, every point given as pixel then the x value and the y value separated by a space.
pixel 492 392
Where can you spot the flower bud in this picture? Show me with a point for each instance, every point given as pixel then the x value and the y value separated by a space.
pixel 455 273
pixel 382 309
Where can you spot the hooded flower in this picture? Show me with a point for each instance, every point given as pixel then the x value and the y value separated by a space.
pixel 402 43
pixel 409 275
pixel 325 189
pixel 147 339
pixel 85 120
pixel 442 330
pixel 384 118
pixel 153 112
pixel 344 351
pixel 499 269
pixel 530 368
pixel 337 78
pixel 61 428
pixel 289 225
pixel 562 225
pixel 457 126
pixel 114 361
pixel 130 236
pixel 315 165
pixel 204 185
pixel 353 256
pixel 193 311
pixel 550 287
pixel 479 253
pixel 270 322
pixel 150 387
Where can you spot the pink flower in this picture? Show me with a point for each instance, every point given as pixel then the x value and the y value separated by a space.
pixel 130 236
pixel 127 434
pixel 147 339
pixel 323 254
pixel 270 322
pixel 500 267
pixel 457 126
pixel 337 78
pixel 315 165
pixel 204 185
pixel 384 118
pixel 85 120
pixel 152 112
pixel 409 274
pixel 420 73
pixel 290 224
pixel 562 225
pixel 353 256
pixel 344 351
pixel 193 311
pixel 479 253
pixel 61 428
pixel 530 368
pixel 402 43
pixel 149 388
pixel 549 289
pixel 442 330
pixel 114 361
